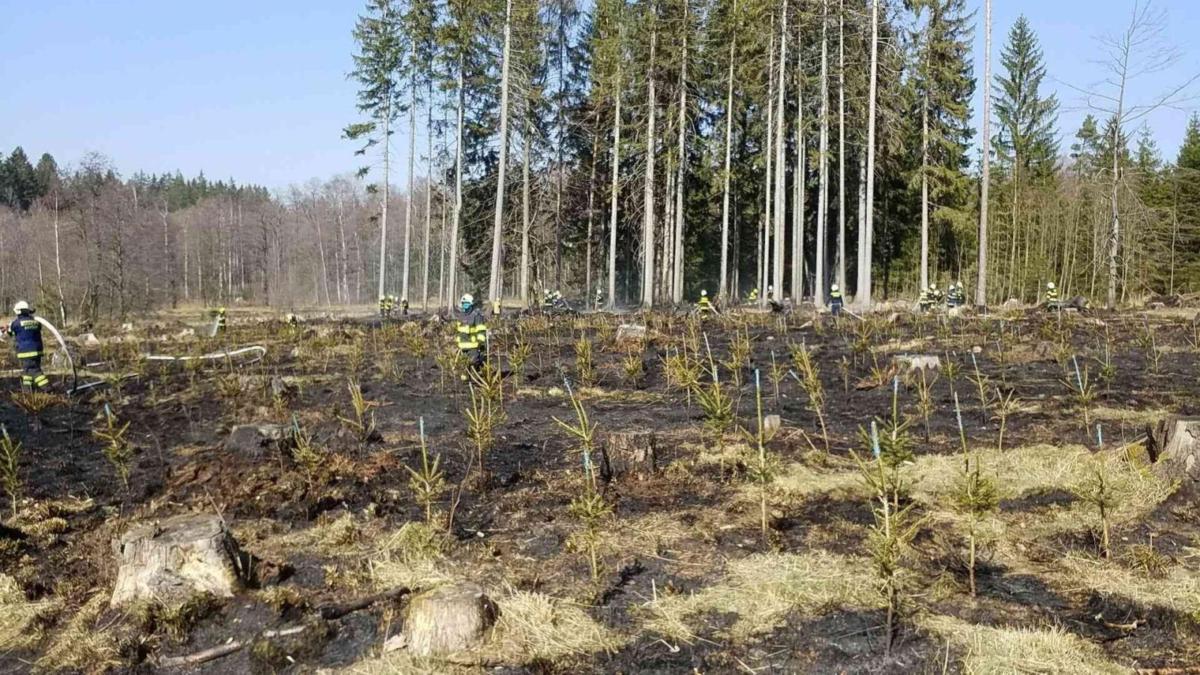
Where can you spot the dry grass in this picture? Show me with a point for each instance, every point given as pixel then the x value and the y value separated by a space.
pixel 1178 590
pixel 410 556
pixel 763 589
pixel 534 626
pixel 83 645
pixel 1129 415
pixel 20 620
pixel 797 481
pixel 1038 468
pixel 1000 651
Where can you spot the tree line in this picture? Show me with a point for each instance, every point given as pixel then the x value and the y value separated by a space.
pixel 638 151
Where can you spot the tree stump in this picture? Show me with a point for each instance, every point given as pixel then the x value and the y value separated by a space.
pixel 909 362
pixel 253 439
pixel 627 333
pixel 448 619
pixel 628 452
pixel 1174 447
pixel 175 559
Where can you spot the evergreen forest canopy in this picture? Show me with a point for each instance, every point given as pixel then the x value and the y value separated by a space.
pixel 639 151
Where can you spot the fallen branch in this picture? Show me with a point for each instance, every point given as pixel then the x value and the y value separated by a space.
pixel 337 611
pixel 328 613
pixel 213 653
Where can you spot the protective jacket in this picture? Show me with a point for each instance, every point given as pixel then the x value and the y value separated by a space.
pixel 27 333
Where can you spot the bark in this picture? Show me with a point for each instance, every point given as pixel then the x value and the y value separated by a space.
pixel 981 279
pixel 864 274
pixel 383 208
pixel 615 194
pixel 523 292
pixel 495 285
pixel 651 144
pixel 677 265
pixel 780 167
pixel 451 286
pixel 723 291
pixel 823 189
pixel 841 236
pixel 408 199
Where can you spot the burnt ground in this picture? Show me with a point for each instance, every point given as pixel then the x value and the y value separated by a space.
pixel 678 531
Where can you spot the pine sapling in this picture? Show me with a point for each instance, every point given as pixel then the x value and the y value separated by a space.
pixel 1097 490
pixel 10 468
pixel 975 496
pixel 981 385
pixel 891 535
pixel 585 364
pixel 810 379
pixel 117 448
pixel 925 403
pixel 429 482
pixel 590 506
pixel 362 423
pixel 1007 405
pixel 762 469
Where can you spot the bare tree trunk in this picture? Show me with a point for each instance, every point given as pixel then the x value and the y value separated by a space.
pixel 677 266
pixel 801 179
pixel 615 193
pixel 651 144
pixel 823 190
pixel 863 295
pixel 523 292
pixel 451 286
pixel 495 285
pixel 587 272
pixel 841 237
pixel 383 209
pixel 780 167
pixel 985 136
pixel 764 235
pixel 62 298
pixel 428 203
pixel 723 290
pixel 925 181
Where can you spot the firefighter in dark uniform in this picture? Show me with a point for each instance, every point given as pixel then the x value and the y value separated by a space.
pixel 835 300
pixel 27 333
pixel 472 332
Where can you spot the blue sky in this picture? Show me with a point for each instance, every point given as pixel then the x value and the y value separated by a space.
pixel 256 89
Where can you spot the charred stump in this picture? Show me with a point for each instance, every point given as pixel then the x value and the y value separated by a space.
pixel 1173 445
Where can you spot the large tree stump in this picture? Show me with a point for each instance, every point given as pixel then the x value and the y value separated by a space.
pixel 628 452
pixel 175 559
pixel 630 333
pixel 448 619
pixel 254 439
pixel 1174 447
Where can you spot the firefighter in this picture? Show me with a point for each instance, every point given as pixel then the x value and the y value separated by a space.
pixel 753 297
pixel 472 332
pixel 926 301
pixel 1052 300
pixel 956 297
pixel 704 306
pixel 27 333
pixel 219 320
pixel 385 306
pixel 404 306
pixel 835 300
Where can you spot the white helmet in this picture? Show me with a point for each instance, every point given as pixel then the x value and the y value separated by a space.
pixel 21 306
pixel 1050 285
pixel 833 287
pixel 704 294
pixel 467 299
